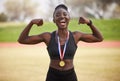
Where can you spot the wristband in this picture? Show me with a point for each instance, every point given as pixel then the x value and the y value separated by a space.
pixel 90 23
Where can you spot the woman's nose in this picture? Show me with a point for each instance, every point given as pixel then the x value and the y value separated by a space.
pixel 62 16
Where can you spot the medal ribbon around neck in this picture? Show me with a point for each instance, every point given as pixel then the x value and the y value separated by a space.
pixel 59 46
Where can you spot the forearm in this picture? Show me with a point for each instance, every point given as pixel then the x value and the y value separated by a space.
pixel 25 33
pixel 95 31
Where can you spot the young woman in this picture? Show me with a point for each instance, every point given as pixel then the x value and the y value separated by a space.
pixel 61 43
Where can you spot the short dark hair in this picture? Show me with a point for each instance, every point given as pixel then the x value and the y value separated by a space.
pixel 60 6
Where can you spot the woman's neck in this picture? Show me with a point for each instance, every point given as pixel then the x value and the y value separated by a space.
pixel 63 33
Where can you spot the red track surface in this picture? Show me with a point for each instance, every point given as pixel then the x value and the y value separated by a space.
pixel 103 44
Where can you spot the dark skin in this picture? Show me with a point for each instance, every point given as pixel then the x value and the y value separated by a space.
pixel 61 18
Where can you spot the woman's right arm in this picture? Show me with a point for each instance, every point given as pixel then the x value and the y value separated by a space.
pixel 24 37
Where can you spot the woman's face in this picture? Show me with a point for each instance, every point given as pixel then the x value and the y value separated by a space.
pixel 61 18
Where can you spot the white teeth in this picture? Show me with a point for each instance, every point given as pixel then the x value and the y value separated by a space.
pixel 62 23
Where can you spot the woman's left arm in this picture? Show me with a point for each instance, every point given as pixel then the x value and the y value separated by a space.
pixel 95 36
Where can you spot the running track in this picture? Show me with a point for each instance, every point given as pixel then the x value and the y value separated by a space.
pixel 108 44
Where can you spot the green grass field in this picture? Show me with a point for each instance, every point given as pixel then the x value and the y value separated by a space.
pixel 9 32
pixel 30 63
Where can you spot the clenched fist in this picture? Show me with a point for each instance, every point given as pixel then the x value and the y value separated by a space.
pixel 83 20
pixel 38 22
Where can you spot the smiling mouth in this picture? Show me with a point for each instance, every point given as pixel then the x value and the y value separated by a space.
pixel 63 22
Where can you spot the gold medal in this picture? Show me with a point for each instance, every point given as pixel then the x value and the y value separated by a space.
pixel 62 63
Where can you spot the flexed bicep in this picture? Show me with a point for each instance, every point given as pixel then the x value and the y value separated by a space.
pixel 34 39
pixel 80 36
pixel 88 38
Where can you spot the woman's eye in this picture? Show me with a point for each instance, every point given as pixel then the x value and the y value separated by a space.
pixel 57 15
pixel 65 14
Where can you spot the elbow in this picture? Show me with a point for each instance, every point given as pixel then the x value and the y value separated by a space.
pixel 20 41
pixel 100 40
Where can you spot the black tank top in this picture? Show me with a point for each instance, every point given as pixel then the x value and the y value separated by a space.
pixel 53 47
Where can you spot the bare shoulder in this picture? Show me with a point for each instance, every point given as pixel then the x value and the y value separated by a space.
pixel 46 36
pixel 77 35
